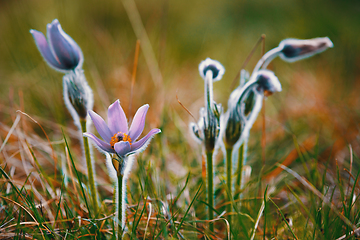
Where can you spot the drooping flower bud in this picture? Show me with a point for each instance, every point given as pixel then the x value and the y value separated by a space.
pixel 267 82
pixel 296 49
pixel 211 65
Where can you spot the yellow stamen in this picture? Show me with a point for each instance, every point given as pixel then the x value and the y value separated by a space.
pixel 118 137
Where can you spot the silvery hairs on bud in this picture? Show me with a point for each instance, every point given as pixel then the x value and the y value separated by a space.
pixel 78 96
pixel 296 49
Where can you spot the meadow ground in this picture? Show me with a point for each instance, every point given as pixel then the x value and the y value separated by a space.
pixel 311 127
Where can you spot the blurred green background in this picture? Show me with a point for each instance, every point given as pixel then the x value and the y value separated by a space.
pixel 320 94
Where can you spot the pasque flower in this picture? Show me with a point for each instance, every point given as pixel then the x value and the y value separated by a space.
pixel 62 53
pixel 118 138
pixel 59 50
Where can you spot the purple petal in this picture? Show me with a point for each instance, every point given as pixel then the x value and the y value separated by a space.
pixel 65 49
pixel 101 144
pixel 138 123
pixel 122 148
pixel 44 49
pixel 142 142
pixel 116 118
pixel 101 126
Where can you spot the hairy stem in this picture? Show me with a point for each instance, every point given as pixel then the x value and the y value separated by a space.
pixel 209 159
pixel 120 206
pixel 239 171
pixel 229 179
pixel 89 167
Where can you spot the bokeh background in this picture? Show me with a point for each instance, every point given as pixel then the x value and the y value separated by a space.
pixel 320 98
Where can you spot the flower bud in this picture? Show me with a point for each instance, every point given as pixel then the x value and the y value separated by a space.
pixel 77 98
pixel 211 65
pixel 297 49
pixel 211 132
pixel 77 93
pixel 267 82
pixel 233 127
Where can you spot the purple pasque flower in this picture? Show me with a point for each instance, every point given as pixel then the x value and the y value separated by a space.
pixel 59 50
pixel 118 138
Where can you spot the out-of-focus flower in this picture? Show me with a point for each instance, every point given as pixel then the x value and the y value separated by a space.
pixel 59 50
pixel 291 50
pixel 296 49
pixel 119 139
pixel 207 130
pixel 243 104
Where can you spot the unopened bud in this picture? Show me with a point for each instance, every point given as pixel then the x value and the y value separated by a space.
pixel 297 49
pixel 211 65
pixel 233 128
pixel 267 82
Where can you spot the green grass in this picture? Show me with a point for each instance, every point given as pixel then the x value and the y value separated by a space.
pixel 311 126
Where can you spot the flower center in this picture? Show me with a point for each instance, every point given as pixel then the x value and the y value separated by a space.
pixel 118 137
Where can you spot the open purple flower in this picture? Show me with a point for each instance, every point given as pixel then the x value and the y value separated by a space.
pixel 59 50
pixel 118 137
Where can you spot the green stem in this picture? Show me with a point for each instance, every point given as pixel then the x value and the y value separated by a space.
pixel 89 167
pixel 239 171
pixel 120 206
pixel 209 163
pixel 229 179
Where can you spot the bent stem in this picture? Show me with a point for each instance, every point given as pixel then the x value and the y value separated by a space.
pixel 120 206
pixel 239 171
pixel 229 179
pixel 209 163
pixel 89 167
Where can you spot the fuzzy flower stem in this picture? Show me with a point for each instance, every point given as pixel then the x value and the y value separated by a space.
pixel 266 59
pixel 89 167
pixel 229 179
pixel 120 206
pixel 209 163
pixel 208 93
pixel 241 158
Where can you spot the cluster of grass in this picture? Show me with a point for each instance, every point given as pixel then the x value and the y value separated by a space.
pixel 44 193
pixel 306 186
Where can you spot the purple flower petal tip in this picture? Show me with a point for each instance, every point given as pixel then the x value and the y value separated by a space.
pixel 138 123
pixel 59 50
pixel 101 144
pixel 116 118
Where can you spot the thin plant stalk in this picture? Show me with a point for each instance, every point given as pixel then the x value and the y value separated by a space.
pixel 209 159
pixel 229 178
pixel 120 206
pixel 93 192
pixel 239 170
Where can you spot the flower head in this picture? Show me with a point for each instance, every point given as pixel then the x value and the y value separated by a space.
pixel 297 49
pixel 118 138
pixel 211 65
pixel 59 50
